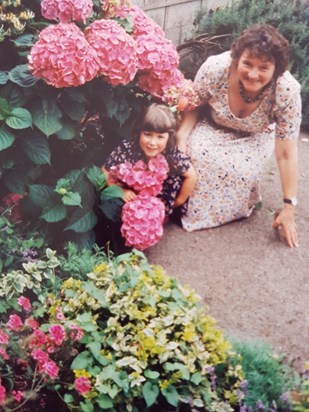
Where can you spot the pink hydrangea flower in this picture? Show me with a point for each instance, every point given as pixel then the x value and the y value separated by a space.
pixel 57 333
pixel 116 8
pixel 143 24
pixel 4 338
pixel 2 395
pixel 66 10
pixel 24 303
pixel 184 97
pixel 82 385
pixel 51 369
pixel 62 57
pixel 142 221
pixel 14 323
pixel 115 49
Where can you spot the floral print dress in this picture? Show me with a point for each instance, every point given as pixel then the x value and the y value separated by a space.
pixel 228 152
pixel 178 162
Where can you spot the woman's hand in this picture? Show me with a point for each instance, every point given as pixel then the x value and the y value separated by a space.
pixel 285 219
pixel 128 195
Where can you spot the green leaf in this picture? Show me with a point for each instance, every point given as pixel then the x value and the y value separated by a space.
pixel 82 220
pixel 111 192
pixel 68 398
pixel 150 393
pixel 87 406
pixel 54 213
pixel 13 94
pixel 151 374
pixel 112 208
pixel 82 361
pixel 104 402
pixel 68 132
pixel 19 118
pixel 196 378
pixel 72 199
pixel 4 77
pixel 96 293
pixel 74 104
pixel 26 40
pixel 22 76
pixel 171 395
pixel 6 138
pixel 36 147
pixel 41 195
pixel 96 177
pixel 5 108
pixel 46 116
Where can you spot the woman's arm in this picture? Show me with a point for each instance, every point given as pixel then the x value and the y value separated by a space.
pixel 188 122
pixel 287 160
pixel 190 179
pixel 128 194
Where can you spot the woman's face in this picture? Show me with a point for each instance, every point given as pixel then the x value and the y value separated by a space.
pixel 254 72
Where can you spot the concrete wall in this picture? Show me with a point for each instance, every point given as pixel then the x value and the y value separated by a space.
pixel 176 16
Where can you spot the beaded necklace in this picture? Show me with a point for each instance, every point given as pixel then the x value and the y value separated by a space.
pixel 248 99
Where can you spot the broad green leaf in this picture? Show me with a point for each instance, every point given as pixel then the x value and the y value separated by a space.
pixel 72 199
pixel 22 76
pixel 36 147
pixel 46 116
pixel 26 40
pixel 95 348
pixel 111 192
pixel 171 395
pixel 96 177
pixel 196 378
pixel 104 402
pixel 41 195
pixel 13 94
pixel 112 208
pixel 6 138
pixel 82 361
pixel 19 118
pixel 86 406
pixel 151 374
pixel 82 220
pixel 54 213
pixel 5 108
pixel 96 293
pixel 68 132
pixel 74 104
pixel 68 398
pixel 4 77
pixel 150 393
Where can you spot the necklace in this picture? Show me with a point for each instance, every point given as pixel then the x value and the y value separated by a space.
pixel 248 99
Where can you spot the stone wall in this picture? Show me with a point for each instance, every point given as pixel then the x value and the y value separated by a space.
pixel 176 17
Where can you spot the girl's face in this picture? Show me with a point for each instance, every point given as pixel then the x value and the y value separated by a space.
pixel 254 72
pixel 153 143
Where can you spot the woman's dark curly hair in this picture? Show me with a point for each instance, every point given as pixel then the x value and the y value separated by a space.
pixel 263 40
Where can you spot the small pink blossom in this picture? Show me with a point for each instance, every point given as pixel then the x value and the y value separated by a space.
pixel 115 49
pixel 57 333
pixel 62 57
pixel 24 303
pixel 40 356
pixel 51 369
pixel 4 338
pixel 14 323
pixel 4 354
pixel 2 395
pixel 38 338
pixel 77 333
pixel 18 395
pixel 82 385
pixel 60 315
pixel 32 323
pixel 66 10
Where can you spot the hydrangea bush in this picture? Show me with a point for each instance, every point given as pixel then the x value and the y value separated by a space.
pixel 75 76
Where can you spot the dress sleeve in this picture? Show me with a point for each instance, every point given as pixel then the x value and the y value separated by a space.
pixel 119 155
pixel 210 75
pixel 287 110
pixel 179 162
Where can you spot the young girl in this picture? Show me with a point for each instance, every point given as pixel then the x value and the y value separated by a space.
pixel 153 134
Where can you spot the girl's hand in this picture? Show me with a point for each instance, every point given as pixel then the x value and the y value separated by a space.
pixel 128 195
pixel 285 219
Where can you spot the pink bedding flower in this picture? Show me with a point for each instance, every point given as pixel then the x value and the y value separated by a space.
pixel 51 369
pixel 77 332
pixel 2 395
pixel 115 49
pixel 32 323
pixel 142 221
pixel 57 333
pixel 4 354
pixel 82 385
pixel 24 303
pixel 14 323
pixel 4 339
pixel 63 57
pixel 40 356
pixel 66 10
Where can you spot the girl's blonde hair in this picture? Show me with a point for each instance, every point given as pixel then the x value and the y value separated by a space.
pixel 157 118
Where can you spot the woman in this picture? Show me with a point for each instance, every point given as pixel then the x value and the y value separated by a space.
pixel 251 103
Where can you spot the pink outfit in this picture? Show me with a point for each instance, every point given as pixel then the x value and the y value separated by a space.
pixel 228 152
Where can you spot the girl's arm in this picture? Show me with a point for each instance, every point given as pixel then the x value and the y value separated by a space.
pixel 188 122
pixel 190 179
pixel 128 194
pixel 286 156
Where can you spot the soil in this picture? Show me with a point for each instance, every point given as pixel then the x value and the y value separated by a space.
pixel 254 285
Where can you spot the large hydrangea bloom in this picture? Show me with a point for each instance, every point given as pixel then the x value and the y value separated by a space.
pixel 63 57
pixel 116 51
pixel 66 10
pixel 144 24
pixel 142 219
